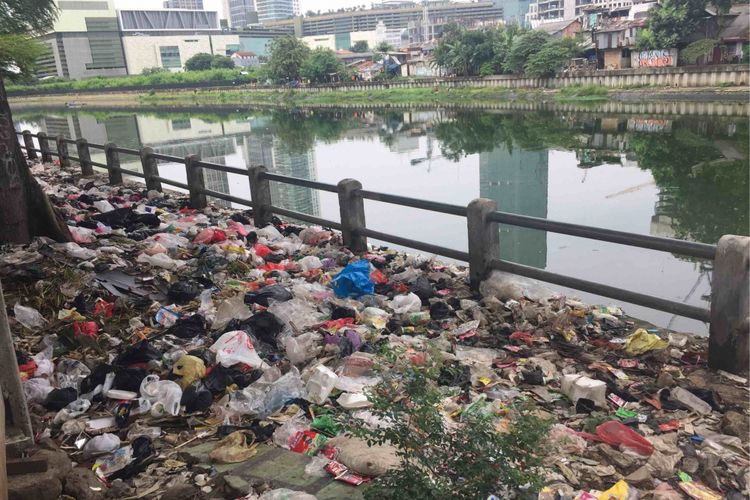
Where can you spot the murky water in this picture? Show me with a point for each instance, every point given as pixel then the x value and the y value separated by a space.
pixel 683 177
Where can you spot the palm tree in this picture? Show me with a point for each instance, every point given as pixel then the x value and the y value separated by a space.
pixel 25 210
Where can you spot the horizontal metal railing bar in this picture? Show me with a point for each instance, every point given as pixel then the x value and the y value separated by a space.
pixel 433 206
pixel 227 197
pixel 689 248
pixel 98 164
pixel 418 245
pixel 296 181
pixel 74 158
pixel 222 168
pixel 171 182
pixel 32 135
pixel 127 151
pixel 69 141
pixel 129 172
pixel 305 217
pixel 611 292
pixel 53 153
pixel 95 146
pixel 176 159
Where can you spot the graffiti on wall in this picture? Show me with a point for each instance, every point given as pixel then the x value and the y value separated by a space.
pixel 653 58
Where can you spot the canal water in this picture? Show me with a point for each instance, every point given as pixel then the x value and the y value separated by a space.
pixel 665 175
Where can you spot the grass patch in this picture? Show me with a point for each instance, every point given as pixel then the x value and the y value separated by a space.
pixel 583 93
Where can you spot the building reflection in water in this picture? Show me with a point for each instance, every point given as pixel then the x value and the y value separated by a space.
pixel 517 180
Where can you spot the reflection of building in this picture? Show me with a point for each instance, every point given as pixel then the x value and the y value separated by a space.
pixel 517 180
pixel 216 181
pixel 262 148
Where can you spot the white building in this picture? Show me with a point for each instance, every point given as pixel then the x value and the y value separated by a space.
pixel 544 11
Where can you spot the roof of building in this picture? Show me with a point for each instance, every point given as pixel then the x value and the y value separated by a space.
pixel 555 27
pixel 620 24
pixel 739 26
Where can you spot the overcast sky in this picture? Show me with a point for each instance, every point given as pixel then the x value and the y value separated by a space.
pixel 305 5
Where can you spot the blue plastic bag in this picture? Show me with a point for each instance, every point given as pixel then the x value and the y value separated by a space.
pixel 353 280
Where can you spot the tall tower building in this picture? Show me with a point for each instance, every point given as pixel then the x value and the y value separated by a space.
pixel 240 13
pixel 273 10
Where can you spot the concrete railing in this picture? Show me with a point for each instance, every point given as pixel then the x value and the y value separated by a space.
pixel 728 315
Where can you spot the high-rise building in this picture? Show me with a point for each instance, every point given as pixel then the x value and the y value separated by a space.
pixel 273 10
pixel 543 11
pixel 240 13
pixel 84 41
pixel 184 4
pixel 514 11
pixel 396 17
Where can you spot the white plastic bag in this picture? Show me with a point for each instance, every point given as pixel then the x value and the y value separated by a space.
pixel 303 348
pixel 160 396
pixel 44 365
pixel 29 317
pixel 160 260
pixel 36 389
pixel 310 262
pixel 236 347
pixel 402 304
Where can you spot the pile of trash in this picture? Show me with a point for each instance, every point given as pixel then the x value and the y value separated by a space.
pixel 163 327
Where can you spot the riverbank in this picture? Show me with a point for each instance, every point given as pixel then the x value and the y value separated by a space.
pixel 470 97
pixel 256 326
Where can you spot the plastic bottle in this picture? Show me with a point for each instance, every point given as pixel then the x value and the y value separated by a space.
pixel 418 318
pixel 320 384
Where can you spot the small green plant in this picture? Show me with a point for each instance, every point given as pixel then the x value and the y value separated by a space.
pixel 466 458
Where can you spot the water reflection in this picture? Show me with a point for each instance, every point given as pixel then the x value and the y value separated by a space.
pixel 683 177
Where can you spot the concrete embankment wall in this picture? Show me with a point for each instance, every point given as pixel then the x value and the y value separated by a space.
pixel 683 77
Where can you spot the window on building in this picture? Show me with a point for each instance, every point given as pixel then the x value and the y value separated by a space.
pixel 170 57
pixel 181 124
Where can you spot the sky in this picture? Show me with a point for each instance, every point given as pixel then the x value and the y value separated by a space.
pixel 305 5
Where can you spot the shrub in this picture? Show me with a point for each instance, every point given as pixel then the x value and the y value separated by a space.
pixel 468 459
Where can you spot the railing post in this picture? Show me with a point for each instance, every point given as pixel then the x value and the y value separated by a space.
pixel 44 146
pixel 113 163
pixel 196 182
pixel 352 209
pixel 28 141
pixel 150 169
pixel 484 239
pixel 260 194
pixel 729 332
pixel 62 151
pixel 84 156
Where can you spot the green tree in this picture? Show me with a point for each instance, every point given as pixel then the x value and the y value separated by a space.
pixel 670 22
pixel 25 210
pixel 219 61
pixel 696 50
pixel 523 47
pixel 384 47
pixel 199 62
pixel 466 52
pixel 552 57
pixel 287 55
pixel 321 65
pixel 360 46
pixel 18 56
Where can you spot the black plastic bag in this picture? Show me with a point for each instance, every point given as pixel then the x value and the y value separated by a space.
pixel 196 399
pixel 60 398
pixel 422 288
pixel 189 327
pixel 265 326
pixel 142 352
pixel 273 292
pixel 183 292
pixel 440 310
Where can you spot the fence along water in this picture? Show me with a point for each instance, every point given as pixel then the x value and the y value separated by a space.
pixel 728 316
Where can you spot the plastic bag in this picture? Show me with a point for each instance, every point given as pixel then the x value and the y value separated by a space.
pixel 303 348
pixel 160 396
pixel 283 435
pixel 168 240
pixel 160 260
pixel 232 449
pixel 236 347
pixel 641 341
pixel 44 365
pixel 353 280
pixel 36 389
pixel 269 232
pixel 267 294
pixel 375 317
pixel 296 311
pixel 75 250
pixel 230 309
pixel 70 373
pixel 289 386
pixel 29 317
pixel 310 262
pixel 99 445
pixel 621 436
pixel 402 304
